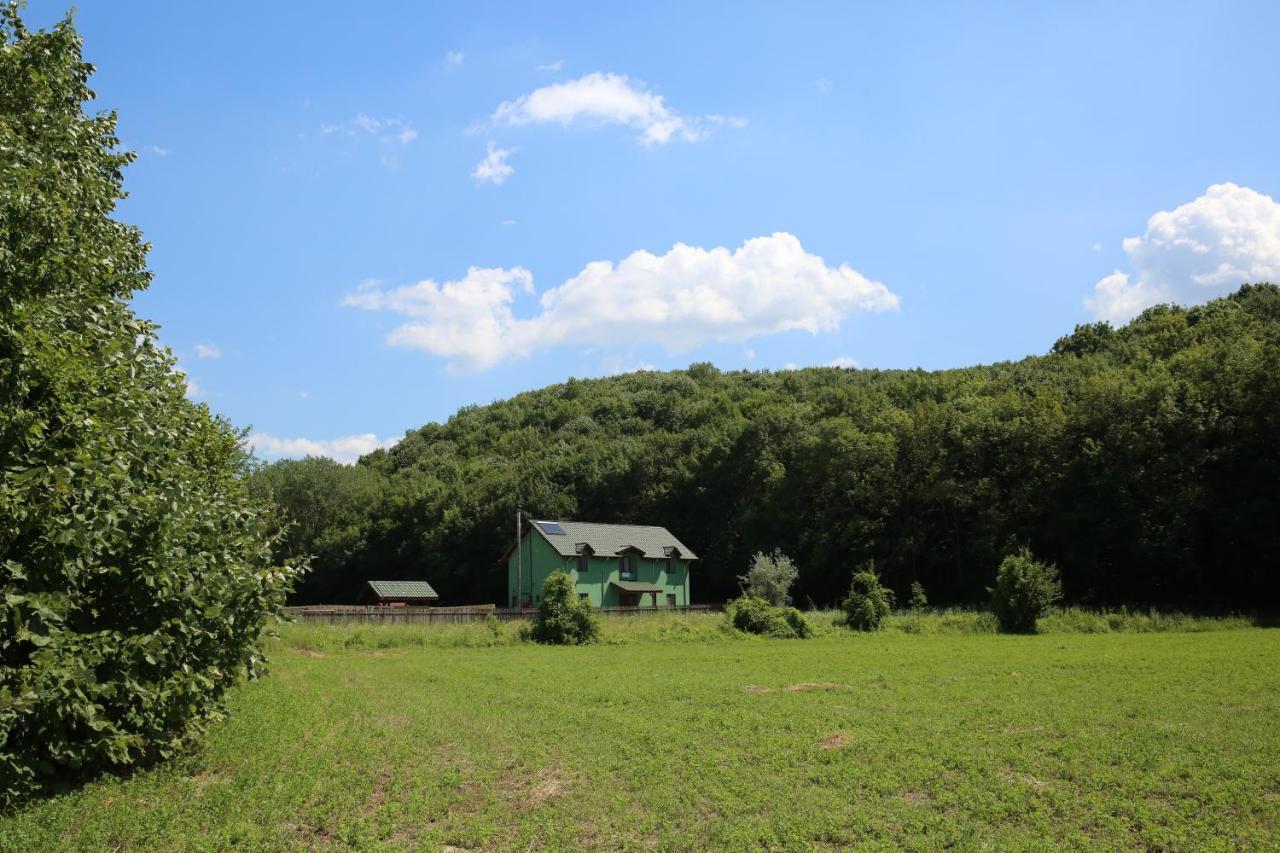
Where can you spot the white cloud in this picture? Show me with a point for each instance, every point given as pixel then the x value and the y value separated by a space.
pixel 600 98
pixel 616 366
pixel 159 151
pixel 823 85
pixel 680 300
pixel 346 449
pixel 389 130
pixel 208 351
pixel 749 353
pixel 454 58
pixel 494 168
pixel 1205 248
pixel 842 361
pixel 509 222
pixel 1097 247
pixel 551 66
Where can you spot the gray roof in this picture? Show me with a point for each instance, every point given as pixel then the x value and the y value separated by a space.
pixel 609 539
pixel 402 589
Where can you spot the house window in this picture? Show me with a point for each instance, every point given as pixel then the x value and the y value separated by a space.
pixel 627 567
pixel 671 565
pixel 582 596
pixel 584 563
pixel 671 599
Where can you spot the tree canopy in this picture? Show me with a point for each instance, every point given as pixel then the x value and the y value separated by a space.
pixel 136 572
pixel 1140 460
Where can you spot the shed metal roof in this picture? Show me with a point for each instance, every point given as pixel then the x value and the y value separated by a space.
pixel 633 586
pixel 605 539
pixel 402 589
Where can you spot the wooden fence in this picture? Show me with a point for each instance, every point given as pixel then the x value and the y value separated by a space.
pixel 341 614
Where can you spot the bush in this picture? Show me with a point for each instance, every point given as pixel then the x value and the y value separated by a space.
pixel 757 616
pixel 918 600
pixel 868 602
pixel 1025 589
pixel 136 572
pixel 770 577
pixel 562 619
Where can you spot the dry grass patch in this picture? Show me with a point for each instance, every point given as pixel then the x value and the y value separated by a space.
pixel 836 740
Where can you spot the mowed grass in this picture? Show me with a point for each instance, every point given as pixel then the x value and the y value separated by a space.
pixel 678 736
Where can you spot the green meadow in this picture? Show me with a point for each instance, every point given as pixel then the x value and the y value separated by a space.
pixel 1144 732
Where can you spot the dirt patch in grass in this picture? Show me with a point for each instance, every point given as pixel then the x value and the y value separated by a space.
pixel 378 795
pixel 755 688
pixel 205 778
pixel 836 740
pixel 548 785
pixel 915 797
pixel 311 653
pixel 806 686
pixel 1025 778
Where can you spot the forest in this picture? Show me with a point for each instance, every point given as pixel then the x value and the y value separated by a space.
pixel 1141 460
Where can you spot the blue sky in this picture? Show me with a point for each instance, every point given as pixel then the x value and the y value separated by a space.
pixel 947 184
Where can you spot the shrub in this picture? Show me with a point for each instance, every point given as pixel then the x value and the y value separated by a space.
pixel 562 619
pixel 770 577
pixel 757 616
pixel 918 600
pixel 868 602
pixel 136 571
pixel 1025 589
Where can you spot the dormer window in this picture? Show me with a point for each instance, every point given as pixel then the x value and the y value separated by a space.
pixel 627 567
pixel 584 556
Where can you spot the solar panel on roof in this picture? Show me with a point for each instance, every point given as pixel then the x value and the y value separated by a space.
pixel 551 528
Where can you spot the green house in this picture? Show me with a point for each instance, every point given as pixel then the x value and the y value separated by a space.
pixel 612 565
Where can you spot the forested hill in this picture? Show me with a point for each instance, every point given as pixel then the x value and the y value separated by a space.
pixel 1144 461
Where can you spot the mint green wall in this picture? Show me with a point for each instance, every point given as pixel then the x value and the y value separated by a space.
pixel 540 560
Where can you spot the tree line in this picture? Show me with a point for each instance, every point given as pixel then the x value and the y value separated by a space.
pixel 1141 460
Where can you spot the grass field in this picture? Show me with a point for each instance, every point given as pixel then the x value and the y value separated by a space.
pixel 677 736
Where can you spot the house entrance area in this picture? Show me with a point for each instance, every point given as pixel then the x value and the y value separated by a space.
pixel 634 594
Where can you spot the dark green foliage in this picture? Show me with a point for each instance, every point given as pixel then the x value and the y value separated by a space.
pixel 1142 461
pixel 562 619
pixel 918 600
pixel 868 601
pixel 1025 589
pixel 136 572
pixel 757 616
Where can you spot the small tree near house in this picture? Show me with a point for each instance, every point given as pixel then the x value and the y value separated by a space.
pixel 1025 588
pixel 562 619
pixel 868 602
pixel 770 577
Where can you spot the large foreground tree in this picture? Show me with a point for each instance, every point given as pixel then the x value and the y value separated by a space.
pixel 136 572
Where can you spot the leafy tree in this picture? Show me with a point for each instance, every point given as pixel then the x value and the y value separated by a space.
pixel 562 619
pixel 136 572
pixel 770 577
pixel 757 616
pixel 868 601
pixel 1025 589
pixel 918 600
